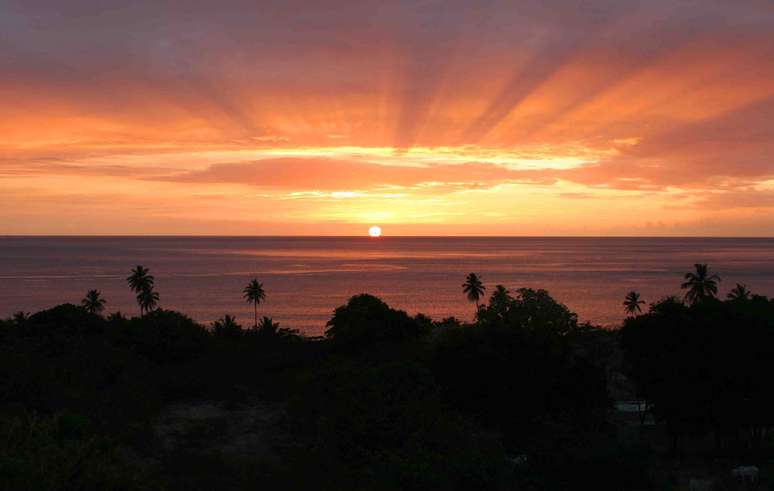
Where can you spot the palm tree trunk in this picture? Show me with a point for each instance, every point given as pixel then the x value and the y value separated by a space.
pixel 255 309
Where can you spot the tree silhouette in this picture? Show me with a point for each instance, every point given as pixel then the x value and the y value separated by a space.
pixel 140 280
pixel 141 283
pixel 148 300
pixel 700 284
pixel 533 310
pixel 20 318
pixel 116 317
pixel 93 302
pixel 367 321
pixel 704 366
pixel 667 305
pixel 268 326
pixel 500 301
pixel 473 288
pixel 254 293
pixel 739 292
pixel 500 295
pixel 227 326
pixel 632 303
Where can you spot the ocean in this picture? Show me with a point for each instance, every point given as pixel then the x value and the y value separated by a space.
pixel 306 278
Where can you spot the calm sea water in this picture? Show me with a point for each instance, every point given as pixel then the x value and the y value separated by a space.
pixel 306 278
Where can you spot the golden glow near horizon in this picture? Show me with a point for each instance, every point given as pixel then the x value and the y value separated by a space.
pixel 498 119
pixel 375 231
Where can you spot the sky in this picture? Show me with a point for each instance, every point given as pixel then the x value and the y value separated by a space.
pixel 482 117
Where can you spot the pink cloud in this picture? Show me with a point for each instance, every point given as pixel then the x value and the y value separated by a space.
pixel 332 174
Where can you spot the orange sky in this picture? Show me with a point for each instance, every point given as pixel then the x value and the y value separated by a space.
pixel 425 117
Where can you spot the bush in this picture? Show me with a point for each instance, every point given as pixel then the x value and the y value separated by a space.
pixel 60 453
pixel 386 427
pixel 706 366
pixel 367 321
pixel 63 321
pixel 517 370
pixel 165 336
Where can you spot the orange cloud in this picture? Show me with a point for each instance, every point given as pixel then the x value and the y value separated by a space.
pixel 330 174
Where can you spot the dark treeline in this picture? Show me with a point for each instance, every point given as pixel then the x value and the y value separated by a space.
pixel 522 397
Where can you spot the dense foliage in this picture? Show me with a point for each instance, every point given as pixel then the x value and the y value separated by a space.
pixel 383 401
pixel 706 366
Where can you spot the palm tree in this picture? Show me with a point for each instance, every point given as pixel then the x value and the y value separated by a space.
pixel 268 326
pixel 226 325
pixel 142 284
pixel 93 302
pixel 700 284
pixel 500 294
pixel 667 305
pixel 148 300
pixel 473 288
pixel 632 303
pixel 254 293
pixel 739 292
pixel 140 280
pixel 116 317
pixel 227 321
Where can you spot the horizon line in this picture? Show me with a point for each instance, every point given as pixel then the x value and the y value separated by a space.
pixel 396 236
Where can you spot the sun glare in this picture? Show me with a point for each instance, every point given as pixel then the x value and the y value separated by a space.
pixel 375 231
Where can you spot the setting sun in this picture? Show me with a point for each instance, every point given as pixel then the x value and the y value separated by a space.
pixel 375 231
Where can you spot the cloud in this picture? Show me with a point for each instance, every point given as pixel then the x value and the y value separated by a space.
pixel 57 167
pixel 346 175
pixel 732 150
pixel 735 199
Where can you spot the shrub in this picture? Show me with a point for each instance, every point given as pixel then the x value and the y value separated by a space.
pixel 60 452
pixel 367 321
pixel 165 336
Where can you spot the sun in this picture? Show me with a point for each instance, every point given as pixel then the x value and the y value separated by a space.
pixel 375 231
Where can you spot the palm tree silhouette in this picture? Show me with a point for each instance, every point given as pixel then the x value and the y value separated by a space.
pixel 254 293
pixel 226 322
pixel 473 288
pixel 268 326
pixel 632 303
pixel 226 325
pixel 140 279
pixel 500 294
pixel 500 301
pixel 142 283
pixel 93 302
pixel 700 284
pixel 147 300
pixel 739 292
